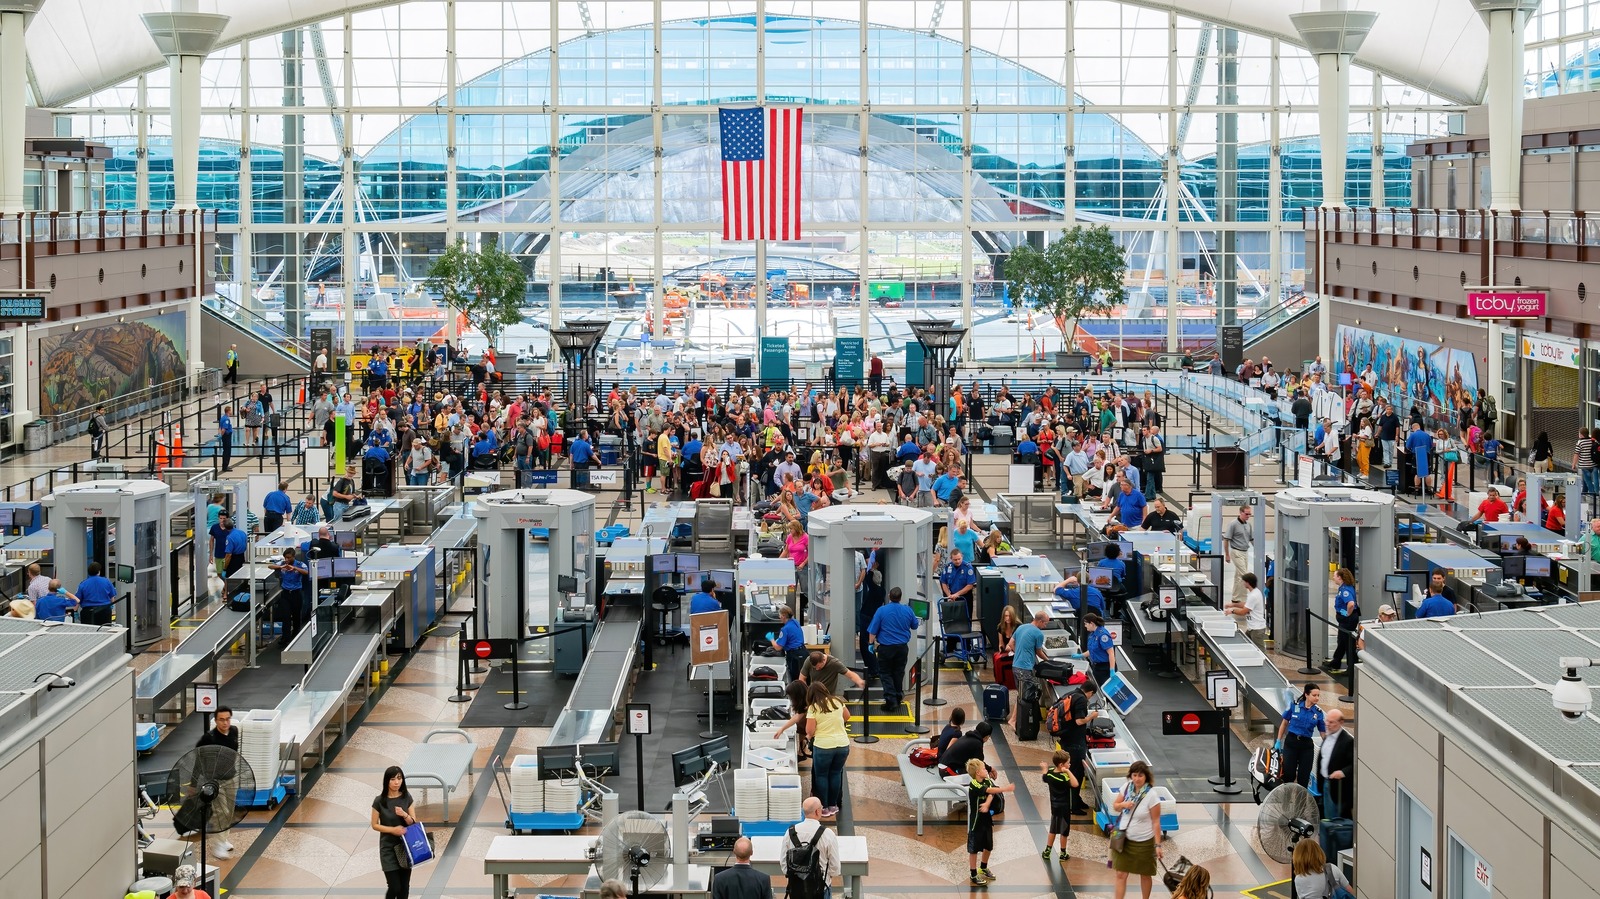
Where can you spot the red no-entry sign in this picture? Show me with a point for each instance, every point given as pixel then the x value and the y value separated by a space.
pixel 482 649
pixel 491 648
pixel 1191 723
pixel 1196 723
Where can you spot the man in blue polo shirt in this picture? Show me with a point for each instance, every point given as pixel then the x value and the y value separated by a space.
pixel 908 450
pixel 959 579
pixel 890 631
pixel 219 541
pixel 54 605
pixel 95 596
pixel 292 576
pixel 582 451
pixel 278 506
pixel 946 484
pixel 1082 597
pixel 704 601
pixel 235 546
pixel 1436 605
pixel 791 641
pixel 1130 507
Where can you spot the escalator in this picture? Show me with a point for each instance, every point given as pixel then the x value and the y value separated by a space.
pixel 1278 332
pixel 265 348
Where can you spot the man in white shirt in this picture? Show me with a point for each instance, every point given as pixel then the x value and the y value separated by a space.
pixel 1252 610
pixel 806 829
pixel 1238 538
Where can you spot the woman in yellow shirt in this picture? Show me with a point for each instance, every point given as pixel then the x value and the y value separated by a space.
pixel 830 746
pixel 666 460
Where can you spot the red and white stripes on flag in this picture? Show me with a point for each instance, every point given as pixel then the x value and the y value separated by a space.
pixel 761 173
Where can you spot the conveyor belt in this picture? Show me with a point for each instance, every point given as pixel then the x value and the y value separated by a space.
pixel 342 663
pixel 455 533
pixel 606 669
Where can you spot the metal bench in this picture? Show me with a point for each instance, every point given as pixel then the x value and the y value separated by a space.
pixel 441 764
pixel 925 785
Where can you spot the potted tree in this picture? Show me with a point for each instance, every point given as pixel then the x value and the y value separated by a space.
pixel 488 286
pixel 1078 274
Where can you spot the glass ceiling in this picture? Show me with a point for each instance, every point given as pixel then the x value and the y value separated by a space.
pixel 1437 47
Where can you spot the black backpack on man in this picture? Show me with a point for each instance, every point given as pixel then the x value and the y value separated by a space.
pixel 802 865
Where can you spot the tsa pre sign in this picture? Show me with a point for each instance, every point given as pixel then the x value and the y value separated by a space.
pixel 1506 303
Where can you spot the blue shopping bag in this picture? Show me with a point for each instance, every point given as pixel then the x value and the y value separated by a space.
pixel 418 848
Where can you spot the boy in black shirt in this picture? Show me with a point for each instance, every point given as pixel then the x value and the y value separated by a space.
pixel 982 804
pixel 1063 790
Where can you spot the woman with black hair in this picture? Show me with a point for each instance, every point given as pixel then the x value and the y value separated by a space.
pixel 391 815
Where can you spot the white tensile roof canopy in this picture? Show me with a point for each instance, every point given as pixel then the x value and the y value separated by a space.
pixel 76 47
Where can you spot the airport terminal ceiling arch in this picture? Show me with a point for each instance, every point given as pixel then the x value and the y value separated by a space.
pixel 1439 47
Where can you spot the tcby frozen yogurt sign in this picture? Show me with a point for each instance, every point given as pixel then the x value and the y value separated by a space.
pixel 1506 304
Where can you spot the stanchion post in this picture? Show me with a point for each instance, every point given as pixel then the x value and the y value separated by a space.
pixel 1307 669
pixel 866 719
pixel 1169 669
pixel 916 726
pixel 461 670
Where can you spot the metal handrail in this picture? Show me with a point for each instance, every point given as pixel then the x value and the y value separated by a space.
pixel 71 423
pixel 251 321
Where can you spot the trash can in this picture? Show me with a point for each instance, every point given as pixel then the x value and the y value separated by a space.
pixel 36 434
pixel 610 449
pixel 1227 468
pixel 1071 361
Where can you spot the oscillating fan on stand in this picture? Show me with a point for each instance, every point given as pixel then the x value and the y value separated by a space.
pixel 635 847
pixel 1288 816
pixel 207 782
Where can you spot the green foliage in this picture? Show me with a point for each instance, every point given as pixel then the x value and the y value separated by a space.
pixel 488 286
pixel 1079 274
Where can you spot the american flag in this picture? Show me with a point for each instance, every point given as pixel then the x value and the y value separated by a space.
pixel 760 174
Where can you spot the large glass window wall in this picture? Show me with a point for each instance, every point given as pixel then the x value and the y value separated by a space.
pixel 343 154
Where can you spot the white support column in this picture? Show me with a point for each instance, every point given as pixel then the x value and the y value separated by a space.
pixel 1334 37
pixel 658 214
pixel 184 37
pixel 553 176
pixel 1171 213
pixel 351 266
pixel 761 245
pixel 1069 171
pixel 969 350
pixel 14 15
pixel 1507 20
pixel 141 169
pixel 863 254
pixel 1276 273
pixel 244 236
pixel 1380 194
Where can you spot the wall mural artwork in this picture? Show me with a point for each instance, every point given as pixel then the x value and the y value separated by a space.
pixel 101 362
pixel 1409 371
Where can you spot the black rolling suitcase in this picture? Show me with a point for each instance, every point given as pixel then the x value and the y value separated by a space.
pixel 1028 713
pixel 996 702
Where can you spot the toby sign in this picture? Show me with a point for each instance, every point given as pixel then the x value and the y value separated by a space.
pixel 1486 303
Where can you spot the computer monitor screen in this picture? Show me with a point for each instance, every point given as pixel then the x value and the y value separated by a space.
pixel 1127 548
pixel 920 607
pixel 717 751
pixel 688 562
pixel 1101 577
pixel 556 762
pixel 1514 567
pixel 125 573
pixel 1121 694
pixel 566 583
pixel 1537 566
pixel 345 539
pixel 1508 542
pixel 722 579
pixel 1396 583
pixel 7 516
pixel 662 564
pixel 324 569
pixel 687 766
pixel 601 759
pixel 344 566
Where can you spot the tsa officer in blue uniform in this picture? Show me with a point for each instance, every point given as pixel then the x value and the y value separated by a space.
pixel 292 574
pixel 95 596
pixel 1294 735
pixel 959 579
pixel 1070 591
pixel 791 641
pixel 704 601
pixel 890 630
pixel 1100 647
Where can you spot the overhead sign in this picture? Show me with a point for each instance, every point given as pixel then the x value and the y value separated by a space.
pixel 1552 350
pixel 849 360
pixel 775 361
pixel 604 478
pixel 26 307
pixel 1492 304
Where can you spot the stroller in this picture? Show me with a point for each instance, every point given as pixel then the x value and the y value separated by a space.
pixel 1266 771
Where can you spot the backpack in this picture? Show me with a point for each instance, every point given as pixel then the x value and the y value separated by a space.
pixel 802 865
pixel 94 427
pixel 924 756
pixel 1056 721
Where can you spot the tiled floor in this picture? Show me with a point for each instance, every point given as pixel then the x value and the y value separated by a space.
pixel 320 844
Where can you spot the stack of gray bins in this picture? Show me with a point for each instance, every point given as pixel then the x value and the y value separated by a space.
pixel 713 525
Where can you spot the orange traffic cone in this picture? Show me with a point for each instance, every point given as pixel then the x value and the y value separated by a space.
pixel 302 400
pixel 161 450
pixel 177 445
